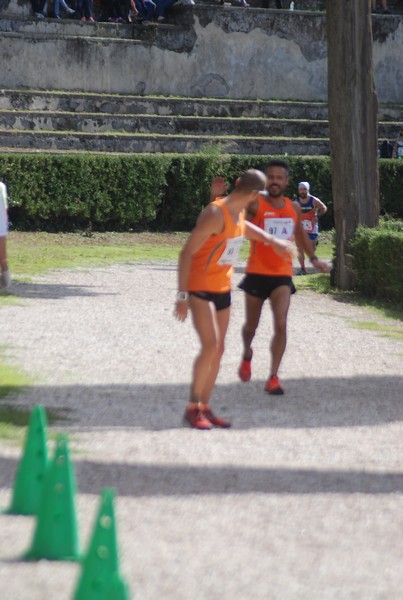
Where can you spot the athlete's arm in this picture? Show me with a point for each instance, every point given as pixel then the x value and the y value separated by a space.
pixel 303 242
pixel 321 208
pixel 209 222
pixel 218 188
pixel 256 234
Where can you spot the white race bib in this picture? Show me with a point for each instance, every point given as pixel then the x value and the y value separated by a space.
pixel 400 151
pixel 282 228
pixel 307 225
pixel 231 251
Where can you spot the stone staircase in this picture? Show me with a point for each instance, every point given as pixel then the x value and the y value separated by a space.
pixel 86 122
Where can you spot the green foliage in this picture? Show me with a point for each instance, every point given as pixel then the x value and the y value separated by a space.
pixel 64 193
pixel 390 187
pixel 377 260
pixel 162 192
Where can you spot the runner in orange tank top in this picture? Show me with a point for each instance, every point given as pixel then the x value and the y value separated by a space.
pixel 269 276
pixel 204 281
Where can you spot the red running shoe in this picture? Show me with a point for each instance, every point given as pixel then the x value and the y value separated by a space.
pixel 214 420
pixel 245 369
pixel 196 419
pixel 273 386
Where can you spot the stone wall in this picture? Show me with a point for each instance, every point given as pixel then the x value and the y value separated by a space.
pixel 206 51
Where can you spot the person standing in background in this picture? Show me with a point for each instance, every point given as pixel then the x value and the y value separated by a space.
pixel 5 279
pixel 397 151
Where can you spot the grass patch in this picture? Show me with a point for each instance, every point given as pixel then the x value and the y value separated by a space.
pixel 384 330
pixel 11 380
pixel 14 421
pixel 36 253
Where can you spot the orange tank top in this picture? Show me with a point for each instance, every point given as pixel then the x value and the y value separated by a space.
pixel 280 222
pixel 212 264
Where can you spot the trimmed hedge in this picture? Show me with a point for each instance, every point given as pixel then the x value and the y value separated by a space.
pixel 377 260
pixel 160 192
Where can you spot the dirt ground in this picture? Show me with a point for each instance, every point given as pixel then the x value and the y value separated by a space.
pixel 301 499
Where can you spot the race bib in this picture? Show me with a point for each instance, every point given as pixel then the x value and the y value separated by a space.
pixel 307 225
pixel 400 151
pixel 282 228
pixel 231 251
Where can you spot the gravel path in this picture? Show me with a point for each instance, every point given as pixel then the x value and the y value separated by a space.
pixel 301 499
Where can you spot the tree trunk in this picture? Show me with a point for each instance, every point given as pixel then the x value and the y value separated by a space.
pixel 353 108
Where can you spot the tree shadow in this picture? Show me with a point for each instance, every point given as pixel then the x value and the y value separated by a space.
pixel 326 402
pixel 49 291
pixel 155 480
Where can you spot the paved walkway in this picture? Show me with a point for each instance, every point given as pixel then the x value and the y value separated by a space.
pixel 301 499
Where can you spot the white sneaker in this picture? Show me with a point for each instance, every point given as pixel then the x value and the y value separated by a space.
pixel 5 280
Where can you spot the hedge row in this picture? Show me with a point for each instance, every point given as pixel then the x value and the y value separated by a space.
pixel 377 260
pixel 160 192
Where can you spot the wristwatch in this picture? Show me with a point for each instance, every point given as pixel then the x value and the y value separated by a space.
pixel 182 296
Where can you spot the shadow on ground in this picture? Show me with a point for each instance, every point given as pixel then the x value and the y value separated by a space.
pixel 307 403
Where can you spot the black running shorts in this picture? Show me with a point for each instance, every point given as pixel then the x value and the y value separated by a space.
pixel 220 301
pixel 261 286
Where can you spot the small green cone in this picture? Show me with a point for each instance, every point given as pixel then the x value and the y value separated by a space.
pixel 100 564
pixel 117 589
pixel 32 466
pixel 56 536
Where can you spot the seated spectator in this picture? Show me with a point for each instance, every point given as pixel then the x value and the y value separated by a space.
pixel 57 5
pixel 384 3
pixel 84 8
pixel 38 7
pixel 145 11
pixel 265 4
pixel 397 151
pixel 161 7
pixel 115 11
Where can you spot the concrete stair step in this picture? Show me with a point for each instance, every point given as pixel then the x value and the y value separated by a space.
pixel 156 105
pixel 168 125
pixel 164 125
pixel 143 143
pixel 68 28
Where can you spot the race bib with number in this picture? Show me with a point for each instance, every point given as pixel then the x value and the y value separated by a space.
pixel 231 251
pixel 282 228
pixel 307 225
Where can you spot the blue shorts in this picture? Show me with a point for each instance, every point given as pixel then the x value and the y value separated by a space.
pixel 261 286
pixel 220 301
pixel 312 236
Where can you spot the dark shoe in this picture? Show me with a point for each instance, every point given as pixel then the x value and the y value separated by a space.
pixel 214 420
pixel 273 386
pixel 387 12
pixel 195 418
pixel 301 272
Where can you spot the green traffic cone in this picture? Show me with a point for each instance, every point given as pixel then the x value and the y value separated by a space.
pixel 55 536
pixel 117 589
pixel 101 563
pixel 32 466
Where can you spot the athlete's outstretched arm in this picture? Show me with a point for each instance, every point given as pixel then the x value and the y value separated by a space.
pixel 256 234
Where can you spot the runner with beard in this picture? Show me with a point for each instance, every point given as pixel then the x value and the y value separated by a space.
pixel 269 276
